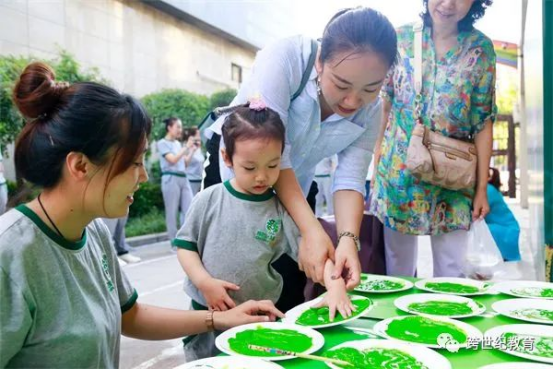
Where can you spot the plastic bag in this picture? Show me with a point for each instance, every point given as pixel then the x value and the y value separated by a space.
pixel 483 258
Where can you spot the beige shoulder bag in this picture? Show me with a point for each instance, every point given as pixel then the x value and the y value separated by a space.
pixel 432 157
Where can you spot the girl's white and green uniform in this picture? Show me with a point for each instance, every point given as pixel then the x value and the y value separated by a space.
pixel 61 302
pixel 237 237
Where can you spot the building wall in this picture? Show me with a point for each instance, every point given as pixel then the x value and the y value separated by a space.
pixel 136 47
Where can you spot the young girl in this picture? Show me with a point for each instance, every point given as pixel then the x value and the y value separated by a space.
pixel 64 301
pixel 237 229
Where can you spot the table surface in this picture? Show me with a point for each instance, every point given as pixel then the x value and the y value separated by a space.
pixel 384 308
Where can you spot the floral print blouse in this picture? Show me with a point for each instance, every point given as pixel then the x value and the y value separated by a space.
pixel 458 98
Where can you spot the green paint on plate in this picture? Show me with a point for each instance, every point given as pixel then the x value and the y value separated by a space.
pixel 529 344
pixel 283 339
pixel 375 358
pixel 533 292
pixel 423 330
pixel 538 314
pixel 451 287
pixel 444 308
pixel 379 285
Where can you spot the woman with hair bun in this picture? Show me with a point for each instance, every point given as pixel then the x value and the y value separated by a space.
pixel 64 301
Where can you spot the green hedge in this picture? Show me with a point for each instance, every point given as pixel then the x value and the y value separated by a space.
pixel 146 199
pixel 187 106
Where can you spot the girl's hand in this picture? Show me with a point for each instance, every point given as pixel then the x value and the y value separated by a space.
pixel 215 293
pixel 248 312
pixel 337 299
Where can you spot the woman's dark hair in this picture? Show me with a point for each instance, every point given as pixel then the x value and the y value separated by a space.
pixel 189 132
pixel 358 30
pixel 82 117
pixel 249 124
pixel 495 178
pixel 169 122
pixel 476 12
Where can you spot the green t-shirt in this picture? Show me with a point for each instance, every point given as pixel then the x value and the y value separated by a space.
pixel 60 302
pixel 238 237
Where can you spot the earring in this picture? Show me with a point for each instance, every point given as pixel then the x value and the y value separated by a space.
pixel 318 86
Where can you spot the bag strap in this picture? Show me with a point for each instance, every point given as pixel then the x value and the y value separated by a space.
pixel 307 71
pixel 418 58
pixel 418 70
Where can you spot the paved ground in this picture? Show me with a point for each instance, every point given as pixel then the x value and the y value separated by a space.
pixel 158 280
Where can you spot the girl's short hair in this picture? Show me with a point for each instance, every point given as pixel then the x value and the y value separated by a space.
pixel 84 117
pixel 249 124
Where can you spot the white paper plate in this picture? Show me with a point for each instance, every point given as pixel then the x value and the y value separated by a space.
pixel 222 341
pixel 484 288
pixel 230 362
pixel 510 308
pixel 427 357
pixel 293 314
pixel 522 330
pixel 367 278
pixel 404 302
pixel 470 331
pixel 517 365
pixel 518 288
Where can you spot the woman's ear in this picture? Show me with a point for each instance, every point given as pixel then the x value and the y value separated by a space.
pixel 318 63
pixel 78 165
pixel 226 158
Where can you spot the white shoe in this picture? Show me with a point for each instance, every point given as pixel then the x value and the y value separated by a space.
pixel 129 258
pixel 121 262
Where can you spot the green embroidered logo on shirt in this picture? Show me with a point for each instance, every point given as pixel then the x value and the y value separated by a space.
pixel 272 228
pixel 106 270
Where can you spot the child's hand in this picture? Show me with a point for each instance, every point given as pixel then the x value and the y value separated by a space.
pixel 215 293
pixel 337 300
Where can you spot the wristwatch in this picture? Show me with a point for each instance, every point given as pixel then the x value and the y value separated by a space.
pixel 210 321
pixel 352 236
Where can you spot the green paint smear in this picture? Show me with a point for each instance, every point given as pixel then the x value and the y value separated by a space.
pixel 539 314
pixel 374 358
pixel 445 308
pixel 541 346
pixel 283 339
pixel 533 291
pixel 451 287
pixel 423 330
pixel 379 285
pixel 320 315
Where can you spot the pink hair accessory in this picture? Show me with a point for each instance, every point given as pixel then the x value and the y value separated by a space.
pixel 257 104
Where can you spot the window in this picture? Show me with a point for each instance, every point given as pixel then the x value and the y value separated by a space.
pixel 236 73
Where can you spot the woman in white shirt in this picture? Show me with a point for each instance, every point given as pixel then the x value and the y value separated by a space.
pixel 338 111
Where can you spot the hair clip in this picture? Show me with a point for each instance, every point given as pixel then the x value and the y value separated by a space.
pixel 257 104
pixel 39 117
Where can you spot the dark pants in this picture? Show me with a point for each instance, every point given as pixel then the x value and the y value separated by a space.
pixel 294 280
